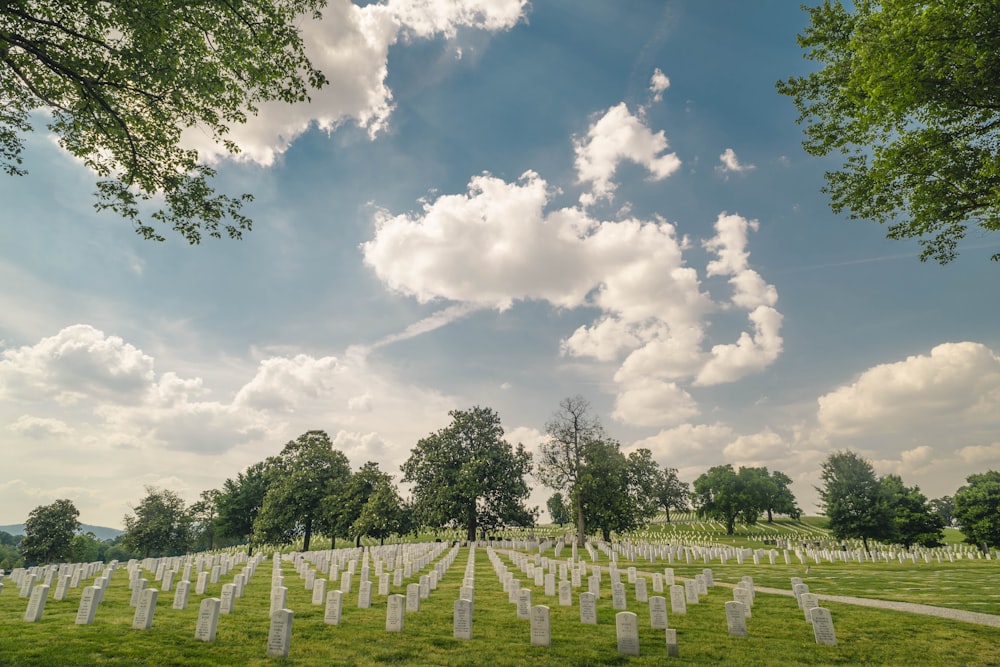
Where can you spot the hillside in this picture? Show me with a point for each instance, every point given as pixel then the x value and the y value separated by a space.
pixel 100 532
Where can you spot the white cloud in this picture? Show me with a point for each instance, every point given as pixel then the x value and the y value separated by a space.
pixel 350 45
pixel 40 427
pixel 652 402
pixel 730 164
pixel 986 455
pixel 617 136
pixel 763 446
pixel 957 384
pixel 282 383
pixel 658 83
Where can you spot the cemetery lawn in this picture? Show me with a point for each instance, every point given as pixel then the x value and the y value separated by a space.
pixel 778 633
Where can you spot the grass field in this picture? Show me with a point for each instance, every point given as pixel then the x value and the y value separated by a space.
pixel 779 635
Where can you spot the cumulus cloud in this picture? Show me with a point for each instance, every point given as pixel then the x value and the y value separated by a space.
pixel 657 84
pixel 40 427
pixel 957 383
pixel 989 455
pixel 499 243
pixel 730 164
pixel 617 136
pixel 350 45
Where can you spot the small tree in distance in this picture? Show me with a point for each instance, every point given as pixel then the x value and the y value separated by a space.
pixel 48 532
pixel 557 509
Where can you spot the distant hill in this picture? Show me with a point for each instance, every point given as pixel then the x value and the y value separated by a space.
pixel 100 532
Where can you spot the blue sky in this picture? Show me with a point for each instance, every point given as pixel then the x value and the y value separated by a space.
pixel 500 204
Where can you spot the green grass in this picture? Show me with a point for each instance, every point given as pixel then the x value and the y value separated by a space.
pixel 778 632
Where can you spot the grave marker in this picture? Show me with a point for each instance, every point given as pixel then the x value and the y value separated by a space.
pixel 658 612
pixel 673 650
pixel 524 604
pixel 227 597
pixel 736 619
pixel 319 591
pixel 279 636
pixel 181 595
pixel 334 607
pixel 822 624
pixel 88 606
pixel 394 613
pixel 678 603
pixel 144 610
pixel 627 626
pixel 462 619
pixel 541 628
pixel 36 603
pixel 588 609
pixel 208 619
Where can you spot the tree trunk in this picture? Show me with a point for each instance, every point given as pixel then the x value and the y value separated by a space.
pixel 606 534
pixel 357 540
pixel 308 534
pixel 770 517
pixel 730 525
pixel 333 542
pixel 581 524
pixel 667 510
pixel 470 529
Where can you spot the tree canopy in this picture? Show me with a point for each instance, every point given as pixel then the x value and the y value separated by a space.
pixel 853 499
pixel 558 511
pixel 466 475
pixel 914 521
pixel 239 501
pixel 672 493
pixel 120 81
pixel 909 93
pixel 307 470
pixel 49 531
pixel 161 525
pixel 729 496
pixel 977 509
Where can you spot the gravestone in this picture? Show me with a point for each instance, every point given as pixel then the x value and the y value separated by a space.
pixel 394 613
pixel 641 594
pixel 412 597
pixel 594 585
pixel 550 585
pixel 168 581
pixel 137 589
pixel 383 583
pixel 208 619
pixel 36 603
pixel 618 596
pixel 798 590
pixel 88 606
pixel 627 626
pixel 227 598
pixel 736 619
pixel 565 594
pixel 690 591
pixel 668 576
pixel 202 584
pixel 588 609
pixel 541 628
pixel 279 636
pixel 678 601
pixel 319 591
pixel 822 624
pixel 524 604
pixel 334 607
pixel 279 598
pixel 425 586
pixel 61 587
pixel 808 602
pixel 658 612
pixel 673 650
pixel 345 582
pixel 365 594
pixel 144 610
pixel 462 619
pixel 657 583
pixel 181 595
pixel 742 594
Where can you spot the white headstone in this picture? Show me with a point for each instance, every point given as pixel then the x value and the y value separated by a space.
pixel 88 606
pixel 137 589
pixel 279 598
pixel 208 619
pixel 319 591
pixel 227 598
pixel 202 585
pixel 61 587
pixel 412 597
pixel 565 594
pixel 808 601
pixel 690 591
pixel 365 594
pixel 658 612
pixel 462 619
pixel 822 624
pixel 736 619
pixel 395 612
pixel 641 593
pixel 181 595
pixel 541 628
pixel 143 617
pixel 678 601
pixel 672 649
pixel 524 604
pixel 36 603
pixel 334 607
pixel 627 626
pixel 588 608
pixel 279 636
pixel 618 596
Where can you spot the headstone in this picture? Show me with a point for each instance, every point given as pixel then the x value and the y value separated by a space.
pixel 168 581
pixel 36 603
pixel 227 598
pixel 627 626
pixel 658 612
pixel 742 594
pixel 822 624
pixel 334 607
pixel 462 619
pixel 279 598
pixel 808 601
pixel 641 593
pixel 678 601
pixel 208 619
pixel 61 587
pixel 565 594
pixel 137 589
pixel 144 610
pixel 541 628
pixel 588 609
pixel 672 649
pixel 383 583
pixel 690 591
pixel 594 585
pixel 202 585
pixel 550 585
pixel 618 596
pixel 412 597
pixel 798 590
pixel 279 636
pixel 736 619
pixel 88 606
pixel 524 604
pixel 181 594
pixel 365 594
pixel 319 591
pixel 394 613
pixel 657 582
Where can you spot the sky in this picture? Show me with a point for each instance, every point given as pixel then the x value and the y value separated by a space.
pixel 503 204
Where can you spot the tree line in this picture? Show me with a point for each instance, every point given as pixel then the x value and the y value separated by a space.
pixel 468 477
